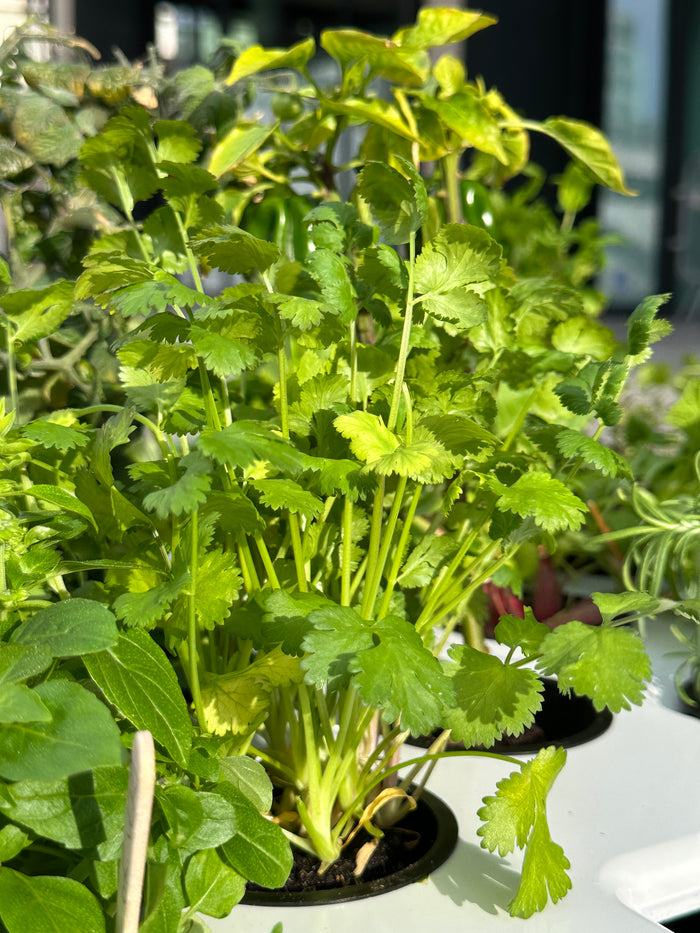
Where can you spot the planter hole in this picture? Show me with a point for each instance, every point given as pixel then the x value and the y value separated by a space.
pixel 563 720
pixel 690 923
pixel 408 852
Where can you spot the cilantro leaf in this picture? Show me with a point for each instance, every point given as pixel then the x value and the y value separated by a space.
pixel 399 204
pixel 338 633
pixel 331 274
pixel 52 434
pixel 492 697
pixel 614 605
pixel 607 664
pixel 460 255
pixel 591 451
pixel 527 634
pixel 226 356
pixel 369 437
pixel 233 250
pixel 401 677
pixel 286 494
pixel 218 584
pixel 145 608
pixel 643 328
pixel 424 459
pixel 517 815
pixel 244 443
pixel 186 493
pixel 538 495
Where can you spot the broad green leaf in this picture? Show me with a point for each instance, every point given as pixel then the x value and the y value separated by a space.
pixel 435 27
pixel 587 144
pixel 401 678
pixel 527 634
pixel 12 841
pixel 197 819
pixel 609 665
pixel 255 59
pixel 281 494
pixel 211 884
pixel 538 495
pixel 238 144
pixel 591 451
pixel 331 274
pixel 643 328
pixel 399 204
pixel 137 678
pixel 47 904
pixel 69 628
pixel 467 115
pixel 258 850
pixel 459 434
pixel 84 811
pixel 44 129
pixel 233 250
pixel 544 873
pixel 251 779
pixel 61 498
pixel 20 662
pixel 373 111
pixel 238 702
pixel 519 802
pixel 80 735
pixel 424 460
pixel 384 57
pixel 581 335
pixel 177 141
pixel 491 697
pixel 19 703
pixel 459 306
pixel 155 295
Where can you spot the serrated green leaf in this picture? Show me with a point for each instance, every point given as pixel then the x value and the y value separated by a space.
pixel 422 563
pixel 519 801
pixel 543 874
pixel 459 256
pixel 137 678
pixel 223 355
pixel 576 397
pixel 81 735
pixel 424 460
pixel 255 59
pixel 369 437
pixel 155 295
pixel 37 313
pixel 615 605
pixel 47 904
pixel 491 697
pixel 640 324
pixel 686 411
pixel 70 628
pixel 218 583
pixel 338 292
pixel 244 443
pixel 148 605
pixel 233 250
pixel 527 634
pixel 583 336
pixel 399 204
pixel 591 451
pixel 539 496
pixel 303 313
pixel 187 492
pixel 400 677
pixel 237 702
pixel 285 494
pixel 337 634
pixel 177 141
pixel 609 665
pixel 55 436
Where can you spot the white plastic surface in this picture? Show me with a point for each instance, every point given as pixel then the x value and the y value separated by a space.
pixel 626 809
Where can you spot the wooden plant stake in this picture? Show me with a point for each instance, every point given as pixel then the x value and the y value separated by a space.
pixel 137 824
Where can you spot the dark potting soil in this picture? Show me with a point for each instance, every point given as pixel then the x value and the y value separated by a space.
pixel 565 720
pixel 407 852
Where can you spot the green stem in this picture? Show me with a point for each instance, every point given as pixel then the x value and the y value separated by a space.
pixel 12 370
pixel 450 172
pixel 193 658
pixel 405 336
pixel 399 553
pixel 346 557
pixel 371 591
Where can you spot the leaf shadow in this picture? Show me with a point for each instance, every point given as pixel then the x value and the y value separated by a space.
pixel 86 809
pixel 477 876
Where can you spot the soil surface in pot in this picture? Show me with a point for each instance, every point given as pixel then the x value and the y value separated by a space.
pixel 562 720
pixel 408 851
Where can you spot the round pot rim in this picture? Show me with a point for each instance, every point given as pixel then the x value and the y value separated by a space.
pixel 442 847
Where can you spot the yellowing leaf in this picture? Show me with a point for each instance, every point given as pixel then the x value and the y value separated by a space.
pixel 255 59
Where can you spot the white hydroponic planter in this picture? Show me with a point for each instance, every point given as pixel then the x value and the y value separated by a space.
pixel 626 809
